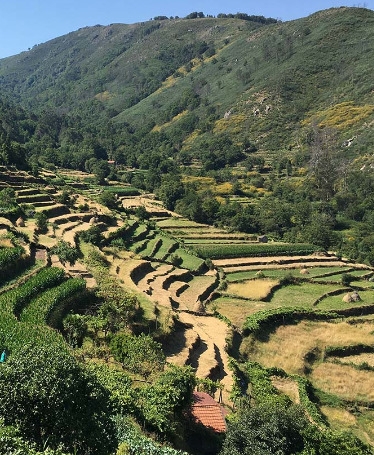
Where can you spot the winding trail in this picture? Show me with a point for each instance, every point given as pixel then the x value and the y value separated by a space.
pixel 199 341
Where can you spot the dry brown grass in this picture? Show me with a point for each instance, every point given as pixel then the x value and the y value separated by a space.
pixel 252 289
pixel 344 381
pixel 287 347
pixel 339 417
pixel 197 286
pixel 236 310
pixel 5 242
pixel 357 359
pixel 287 386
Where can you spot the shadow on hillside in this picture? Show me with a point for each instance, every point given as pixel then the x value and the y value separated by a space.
pixel 197 353
pixel 175 342
pixel 269 329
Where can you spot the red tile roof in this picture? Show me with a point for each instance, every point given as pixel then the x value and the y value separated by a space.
pixel 208 412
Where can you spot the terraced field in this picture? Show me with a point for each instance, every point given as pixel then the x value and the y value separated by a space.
pixel 283 306
pixel 254 285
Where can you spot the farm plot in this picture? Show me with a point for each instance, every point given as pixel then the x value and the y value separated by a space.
pixel 185 229
pixel 289 345
pixel 336 301
pixel 69 235
pixel 257 289
pixel 277 261
pixel 236 309
pixel 166 247
pixel 225 251
pixel 197 291
pixel 297 270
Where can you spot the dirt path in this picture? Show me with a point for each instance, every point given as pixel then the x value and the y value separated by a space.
pixel 213 362
pixel 200 340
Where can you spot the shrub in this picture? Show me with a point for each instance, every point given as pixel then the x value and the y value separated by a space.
pixel 347 279
pixel 65 252
pixel 55 402
pixel 41 222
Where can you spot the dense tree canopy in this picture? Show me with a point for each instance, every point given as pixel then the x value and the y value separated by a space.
pixel 55 402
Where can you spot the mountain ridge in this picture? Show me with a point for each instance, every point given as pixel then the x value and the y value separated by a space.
pixel 189 79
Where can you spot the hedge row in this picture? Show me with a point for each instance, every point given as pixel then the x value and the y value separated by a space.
pixel 15 299
pixel 224 251
pixel 9 256
pixel 305 391
pixel 261 387
pixel 343 351
pixel 39 309
pixel 283 315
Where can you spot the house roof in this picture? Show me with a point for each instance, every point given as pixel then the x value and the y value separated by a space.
pixel 208 412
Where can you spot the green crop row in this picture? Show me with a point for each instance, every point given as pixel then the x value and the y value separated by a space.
pixel 40 309
pixel 122 191
pixel 283 315
pixel 223 251
pixel 15 299
pixel 14 335
pixel 9 256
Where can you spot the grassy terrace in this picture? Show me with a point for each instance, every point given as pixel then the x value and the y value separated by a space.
pixel 253 249
pixel 236 308
pixel 166 246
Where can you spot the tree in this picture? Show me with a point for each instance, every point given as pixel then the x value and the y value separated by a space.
pixel 7 198
pixel 41 222
pixel 325 164
pixel 138 354
pixel 65 198
pixel 165 400
pixel 171 190
pixel 108 199
pixel 265 430
pixel 141 213
pixel 320 232
pixel 118 384
pixel 119 306
pixel 92 235
pixel 190 205
pixel 75 328
pixel 98 167
pixel 55 402
pixel 331 442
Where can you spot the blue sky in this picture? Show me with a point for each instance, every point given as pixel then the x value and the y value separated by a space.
pixel 24 23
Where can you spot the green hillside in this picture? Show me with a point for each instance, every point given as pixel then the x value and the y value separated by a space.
pixel 177 82
pixel 187 203
pixel 252 124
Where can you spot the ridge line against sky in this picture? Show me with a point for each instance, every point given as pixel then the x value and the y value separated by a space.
pixel 25 23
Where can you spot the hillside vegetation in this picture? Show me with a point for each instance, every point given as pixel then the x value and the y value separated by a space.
pixel 187 204
pixel 167 84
